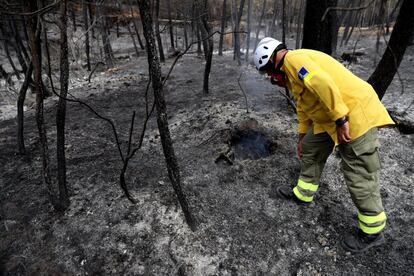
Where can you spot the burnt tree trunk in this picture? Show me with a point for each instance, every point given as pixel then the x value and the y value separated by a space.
pixel 9 58
pixel 34 38
pixel 317 34
pixel 61 109
pixel 299 23
pixel 222 27
pixel 284 21
pixel 272 29
pixel 259 24
pixel 380 22
pixel 249 15
pixel 236 35
pixel 133 39
pixel 73 16
pixel 47 52
pixel 20 111
pixel 86 27
pixel 108 55
pixel 157 30
pixel 350 22
pixel 91 18
pixel 170 25
pixel 185 15
pixel 198 31
pixel 205 30
pixel 136 27
pixel 162 118
pixel 21 52
pixel 391 59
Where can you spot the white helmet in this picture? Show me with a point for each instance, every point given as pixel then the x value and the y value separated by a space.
pixel 264 50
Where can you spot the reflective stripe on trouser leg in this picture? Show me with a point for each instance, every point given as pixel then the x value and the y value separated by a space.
pixel 305 191
pixel 372 224
pixel 360 163
pixel 315 150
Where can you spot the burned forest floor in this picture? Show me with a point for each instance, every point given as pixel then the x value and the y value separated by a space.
pixel 243 227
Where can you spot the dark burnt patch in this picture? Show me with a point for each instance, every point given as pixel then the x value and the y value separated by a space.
pixel 251 144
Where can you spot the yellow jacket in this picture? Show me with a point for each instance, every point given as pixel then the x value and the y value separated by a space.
pixel 324 91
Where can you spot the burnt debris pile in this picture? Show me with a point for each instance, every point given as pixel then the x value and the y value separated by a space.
pixel 251 144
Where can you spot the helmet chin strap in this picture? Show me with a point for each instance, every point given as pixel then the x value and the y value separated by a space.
pixel 277 70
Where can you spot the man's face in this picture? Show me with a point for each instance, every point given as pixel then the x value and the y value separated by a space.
pixel 276 78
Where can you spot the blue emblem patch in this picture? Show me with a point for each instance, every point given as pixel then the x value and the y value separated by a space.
pixel 302 73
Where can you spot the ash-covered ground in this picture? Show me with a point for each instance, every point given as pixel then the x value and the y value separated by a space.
pixel 243 228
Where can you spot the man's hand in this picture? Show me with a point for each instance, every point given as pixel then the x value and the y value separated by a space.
pixel 300 142
pixel 343 133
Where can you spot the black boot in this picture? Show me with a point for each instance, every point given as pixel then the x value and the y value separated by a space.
pixel 361 241
pixel 287 193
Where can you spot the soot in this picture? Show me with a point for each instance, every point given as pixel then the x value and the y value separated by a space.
pixel 251 144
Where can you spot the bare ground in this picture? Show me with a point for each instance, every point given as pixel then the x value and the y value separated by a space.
pixel 243 228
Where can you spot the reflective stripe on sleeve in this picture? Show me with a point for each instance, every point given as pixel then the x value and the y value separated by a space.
pixel 309 76
pixel 307 186
pixel 302 197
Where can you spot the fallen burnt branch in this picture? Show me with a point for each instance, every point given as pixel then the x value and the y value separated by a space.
pixel 214 135
pixel 344 9
pixel 130 153
pixel 288 99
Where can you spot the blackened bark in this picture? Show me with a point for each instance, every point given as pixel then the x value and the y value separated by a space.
pixel 136 27
pixel 335 31
pixel 73 16
pixel 86 28
pixel 167 145
pixel 223 23
pixel 34 38
pixel 198 31
pixel 317 34
pixel 170 25
pixel 157 30
pixel 21 52
pixel 138 35
pixel 205 29
pixel 350 18
pixel 20 111
pixel 236 34
pixel 240 12
pixel 249 14
pixel 61 109
pixel 133 39
pixel 108 55
pixel 47 52
pixel 272 30
pixel 259 24
pixel 399 40
pixel 284 21
pixel 299 24
pixel 185 30
pixel 91 17
pixel 9 58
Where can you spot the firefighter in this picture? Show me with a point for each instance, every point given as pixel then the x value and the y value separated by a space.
pixel 335 109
